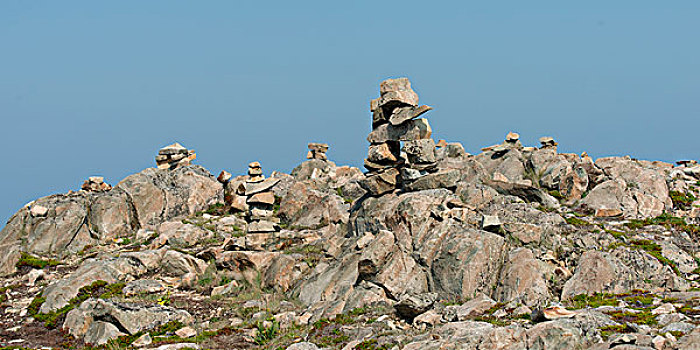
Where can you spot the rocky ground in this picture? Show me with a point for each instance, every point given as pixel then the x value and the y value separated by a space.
pixel 514 248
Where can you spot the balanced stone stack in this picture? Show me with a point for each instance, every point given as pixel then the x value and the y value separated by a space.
pixel 548 142
pixel 317 151
pixel 173 156
pixel 255 172
pixel 395 120
pixel 260 200
pixel 96 184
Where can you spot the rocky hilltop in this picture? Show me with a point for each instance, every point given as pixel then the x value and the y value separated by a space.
pixel 431 248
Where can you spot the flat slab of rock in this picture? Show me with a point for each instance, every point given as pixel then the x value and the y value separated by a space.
pixel 261 226
pixel 415 129
pixel 251 188
pixel 474 307
pixel 378 184
pixel 403 114
pixel 143 287
pixel 441 179
pixel 383 153
pixel 415 305
pixel 262 198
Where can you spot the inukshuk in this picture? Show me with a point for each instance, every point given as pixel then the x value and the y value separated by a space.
pixel 260 200
pixel 173 156
pixel 317 151
pixel 395 120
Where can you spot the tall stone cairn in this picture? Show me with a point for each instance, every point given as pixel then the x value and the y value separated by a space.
pixel 260 200
pixel 395 121
pixel 173 156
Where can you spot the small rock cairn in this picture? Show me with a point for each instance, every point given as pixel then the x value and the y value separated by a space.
pixel 548 142
pixel 394 120
pixel 317 151
pixel 173 156
pixel 96 184
pixel 260 200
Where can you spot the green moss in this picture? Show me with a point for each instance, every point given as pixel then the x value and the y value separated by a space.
pixel 598 299
pixel 372 344
pixel 668 221
pixel 642 317
pixel 617 234
pixel 167 328
pixel 3 290
pixel 34 262
pixel 545 209
pixel 607 331
pixel 556 194
pixel 576 221
pixel 681 200
pixel 266 333
pixel 492 320
pixel 98 289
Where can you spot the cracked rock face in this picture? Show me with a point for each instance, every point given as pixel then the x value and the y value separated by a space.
pixel 74 221
pixel 100 320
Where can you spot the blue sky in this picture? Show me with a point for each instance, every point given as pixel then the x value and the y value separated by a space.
pixel 96 88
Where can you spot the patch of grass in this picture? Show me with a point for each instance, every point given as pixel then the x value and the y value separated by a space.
pixel 339 192
pixel 98 289
pixel 3 290
pixel 34 262
pixel 576 221
pixel 683 201
pixel 668 221
pixel 607 331
pixel 372 344
pixel 654 250
pixel 312 254
pixel 492 320
pixel 651 248
pixel 596 300
pixel 266 333
pixel 642 317
pixel 617 234
pixel 545 209
pixel 556 194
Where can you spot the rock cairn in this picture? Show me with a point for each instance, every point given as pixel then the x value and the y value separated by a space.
pixel 260 200
pixel 96 184
pixel 317 151
pixel 395 121
pixel 255 172
pixel 173 156
pixel 547 142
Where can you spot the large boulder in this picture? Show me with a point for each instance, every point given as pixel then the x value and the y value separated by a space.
pixel 522 279
pixel 96 319
pixel 162 195
pixel 68 223
pixel 634 188
pixel 305 207
pixel 60 292
pixel 620 271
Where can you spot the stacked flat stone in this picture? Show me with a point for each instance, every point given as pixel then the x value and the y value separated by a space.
pixel 260 200
pixel 394 120
pixel 317 151
pixel 96 184
pixel 173 156
pixel 547 142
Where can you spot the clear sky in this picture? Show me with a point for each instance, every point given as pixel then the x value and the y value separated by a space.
pixel 97 87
